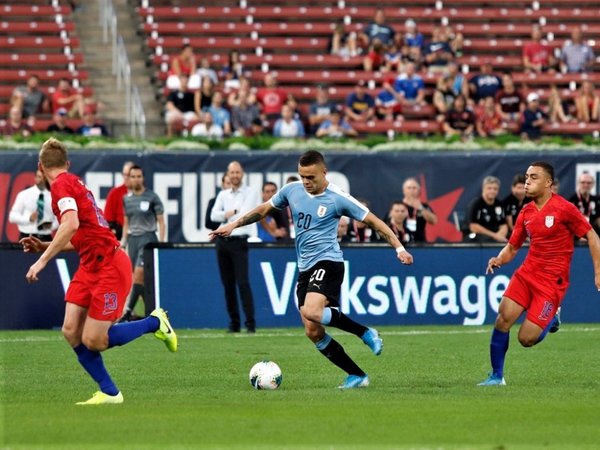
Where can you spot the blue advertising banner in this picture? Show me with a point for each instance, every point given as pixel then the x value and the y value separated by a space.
pixel 446 285
pixel 187 181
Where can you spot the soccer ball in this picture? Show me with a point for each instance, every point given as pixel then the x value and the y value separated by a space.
pixel 265 375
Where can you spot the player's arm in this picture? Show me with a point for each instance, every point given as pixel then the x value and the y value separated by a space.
pixel 386 233
pixel 62 240
pixel 162 232
pixel 594 244
pixel 252 216
pixel 506 255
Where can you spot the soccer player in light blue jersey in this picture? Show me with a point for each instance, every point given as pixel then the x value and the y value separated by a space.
pixel 317 206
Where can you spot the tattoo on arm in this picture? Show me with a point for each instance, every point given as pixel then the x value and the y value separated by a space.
pixel 250 218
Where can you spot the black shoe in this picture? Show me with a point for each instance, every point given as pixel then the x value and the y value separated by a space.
pixel 233 330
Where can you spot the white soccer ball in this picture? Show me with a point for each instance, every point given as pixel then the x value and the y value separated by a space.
pixel 265 375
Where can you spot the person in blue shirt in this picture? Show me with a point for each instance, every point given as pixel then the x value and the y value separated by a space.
pixel 484 84
pixel 317 206
pixel 410 86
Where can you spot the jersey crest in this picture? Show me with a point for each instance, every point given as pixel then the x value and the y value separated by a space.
pixel 321 210
pixel 549 221
pixel 144 205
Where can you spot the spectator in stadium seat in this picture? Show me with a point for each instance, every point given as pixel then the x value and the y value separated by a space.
pixel 271 98
pixel 378 30
pixel 375 58
pixel 484 84
pixel 320 110
pixel 587 203
pixel 233 94
pixel 397 221
pixel 387 102
pixel 537 56
pixel 533 118
pixel 443 96
pixel 257 128
pixel 510 102
pixel 459 120
pixel 410 87
pixel 412 37
pixel 392 59
pixel 459 82
pixel 206 71
pixel 587 103
pixel 59 123
pixel 487 222
pixel 66 97
pixel 437 53
pixel 90 126
pixel 515 201
pixel 15 125
pixel 243 114
pixel 287 126
pixel 220 115
pixel 179 109
pixel 234 69
pixel 489 121
pixel 203 96
pixel 343 43
pixel 360 106
pixel 336 126
pixel 576 56
pixel 184 63
pixel 557 106
pixel 419 214
pixel 206 128
pixel 30 99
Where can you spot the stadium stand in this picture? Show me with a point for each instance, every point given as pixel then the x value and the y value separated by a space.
pixel 38 37
pixel 290 39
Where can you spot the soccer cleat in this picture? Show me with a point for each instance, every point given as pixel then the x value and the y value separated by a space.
pixel 354 381
pixel 165 331
pixel 373 341
pixel 100 398
pixel 493 380
pixel 555 322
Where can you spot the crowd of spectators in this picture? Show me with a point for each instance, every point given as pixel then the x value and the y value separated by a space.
pixel 483 102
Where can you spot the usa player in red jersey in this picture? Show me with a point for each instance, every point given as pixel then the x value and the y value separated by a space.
pixel 98 291
pixel 539 284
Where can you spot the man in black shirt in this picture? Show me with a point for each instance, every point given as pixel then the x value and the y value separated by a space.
pixel 487 222
pixel 515 201
pixel 588 204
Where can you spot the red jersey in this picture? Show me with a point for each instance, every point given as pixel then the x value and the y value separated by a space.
pixel 58 95
pixel 94 241
pixel 537 53
pixel 551 231
pixel 113 210
pixel 271 99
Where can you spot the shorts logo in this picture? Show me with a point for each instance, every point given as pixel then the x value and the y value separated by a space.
pixel 110 303
pixel 549 221
pixel 546 310
pixel 321 210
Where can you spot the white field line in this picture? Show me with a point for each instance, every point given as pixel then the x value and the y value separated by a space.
pixel 222 335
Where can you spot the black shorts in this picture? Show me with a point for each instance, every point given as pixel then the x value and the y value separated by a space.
pixel 325 277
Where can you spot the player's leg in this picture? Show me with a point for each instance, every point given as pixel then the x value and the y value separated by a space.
pixel 541 315
pixel 227 274
pixel 331 349
pixel 136 247
pixel 508 313
pixel 240 260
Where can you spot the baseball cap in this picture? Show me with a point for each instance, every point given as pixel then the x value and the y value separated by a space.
pixel 61 111
pixel 410 23
pixel 532 97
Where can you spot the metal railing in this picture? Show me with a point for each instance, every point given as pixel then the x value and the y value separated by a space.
pixel 121 69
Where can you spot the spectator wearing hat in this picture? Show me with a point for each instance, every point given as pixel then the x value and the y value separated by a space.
pixel 533 118
pixel 360 105
pixel 336 127
pixel 412 37
pixel 320 110
pixel 576 56
pixel 59 123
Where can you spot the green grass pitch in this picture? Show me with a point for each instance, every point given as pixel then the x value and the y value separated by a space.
pixel 422 393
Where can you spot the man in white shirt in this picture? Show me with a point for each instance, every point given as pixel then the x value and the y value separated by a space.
pixel 32 211
pixel 232 251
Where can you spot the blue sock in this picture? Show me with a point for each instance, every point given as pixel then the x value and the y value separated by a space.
pixel 326 319
pixel 323 342
pixel 545 330
pixel 93 364
pixel 498 348
pixel 122 333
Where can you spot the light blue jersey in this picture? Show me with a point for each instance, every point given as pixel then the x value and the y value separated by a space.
pixel 316 220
